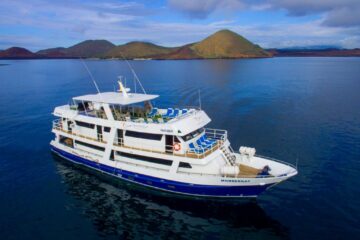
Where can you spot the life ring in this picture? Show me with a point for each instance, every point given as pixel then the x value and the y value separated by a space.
pixel 177 147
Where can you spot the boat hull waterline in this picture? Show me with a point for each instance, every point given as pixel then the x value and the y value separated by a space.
pixel 167 185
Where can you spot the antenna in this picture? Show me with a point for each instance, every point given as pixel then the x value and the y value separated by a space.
pixel 91 76
pixel 133 72
pixel 199 99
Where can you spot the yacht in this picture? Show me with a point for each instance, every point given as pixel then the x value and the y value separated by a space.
pixel 124 135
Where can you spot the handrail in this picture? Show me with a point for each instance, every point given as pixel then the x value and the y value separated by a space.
pixel 218 134
pixel 190 154
pixel 277 160
pixel 119 142
pixel 58 126
pixel 153 120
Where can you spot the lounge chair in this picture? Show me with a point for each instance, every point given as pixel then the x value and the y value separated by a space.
pixel 195 149
pixel 168 113
pixel 175 113
pixel 153 112
pixel 206 140
pixel 203 144
pixel 184 111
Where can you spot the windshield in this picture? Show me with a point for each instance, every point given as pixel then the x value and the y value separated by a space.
pixel 193 134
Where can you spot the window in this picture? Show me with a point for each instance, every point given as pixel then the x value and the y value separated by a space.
pixel 153 160
pixel 149 136
pixel 193 134
pixel 84 124
pixel 66 141
pixel 146 159
pixel 106 129
pixel 184 165
pixel 90 145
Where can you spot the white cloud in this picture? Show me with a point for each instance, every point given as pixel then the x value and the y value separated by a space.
pixel 53 24
pixel 343 13
pixel 202 8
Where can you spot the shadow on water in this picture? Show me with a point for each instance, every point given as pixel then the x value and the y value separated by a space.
pixel 124 210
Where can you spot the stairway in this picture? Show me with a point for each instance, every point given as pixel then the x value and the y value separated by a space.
pixel 229 156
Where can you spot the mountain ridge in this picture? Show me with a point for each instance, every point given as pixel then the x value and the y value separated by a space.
pixel 223 44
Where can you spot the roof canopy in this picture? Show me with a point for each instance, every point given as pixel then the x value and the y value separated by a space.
pixel 116 98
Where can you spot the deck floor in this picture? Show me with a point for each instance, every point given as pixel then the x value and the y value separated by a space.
pixel 248 171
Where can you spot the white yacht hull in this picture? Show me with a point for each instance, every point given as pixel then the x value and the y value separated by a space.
pixel 184 184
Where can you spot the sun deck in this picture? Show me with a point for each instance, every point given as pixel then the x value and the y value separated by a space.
pixel 247 171
pixel 116 98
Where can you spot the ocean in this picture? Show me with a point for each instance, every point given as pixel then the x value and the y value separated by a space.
pixel 303 110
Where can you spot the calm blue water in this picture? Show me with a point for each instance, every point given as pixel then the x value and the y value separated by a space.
pixel 288 108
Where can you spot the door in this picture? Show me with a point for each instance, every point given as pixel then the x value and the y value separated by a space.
pixel 169 141
pixel 99 133
pixel 120 135
pixel 69 126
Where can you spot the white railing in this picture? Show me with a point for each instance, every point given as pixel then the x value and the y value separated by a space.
pixel 58 125
pixel 217 134
pixel 169 149
pixel 157 119
pixel 279 161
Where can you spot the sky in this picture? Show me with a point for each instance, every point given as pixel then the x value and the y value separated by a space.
pixel 40 24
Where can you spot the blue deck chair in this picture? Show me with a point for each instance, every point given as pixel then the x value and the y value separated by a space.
pixel 195 149
pixel 184 111
pixel 168 113
pixel 203 145
pixel 175 113
pixel 153 112
pixel 206 140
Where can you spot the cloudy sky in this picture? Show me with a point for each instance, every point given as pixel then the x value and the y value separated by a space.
pixel 38 24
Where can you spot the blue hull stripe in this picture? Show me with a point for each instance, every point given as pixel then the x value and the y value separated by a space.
pixel 167 185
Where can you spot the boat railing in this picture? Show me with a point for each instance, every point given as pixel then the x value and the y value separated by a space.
pixel 294 166
pixel 170 150
pixel 93 113
pixel 216 134
pixel 177 107
pixel 145 118
pixel 58 125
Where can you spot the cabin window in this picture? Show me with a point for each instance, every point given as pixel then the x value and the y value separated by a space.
pixel 185 165
pixel 90 145
pixel 84 124
pixel 66 141
pixel 193 134
pixel 106 129
pixel 146 159
pixel 149 136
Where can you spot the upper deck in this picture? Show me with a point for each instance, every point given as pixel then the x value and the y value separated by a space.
pixel 116 98
pixel 133 110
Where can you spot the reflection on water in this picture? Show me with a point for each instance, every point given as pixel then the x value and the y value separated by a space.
pixel 119 209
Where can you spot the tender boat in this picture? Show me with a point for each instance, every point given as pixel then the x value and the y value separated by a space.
pixel 168 149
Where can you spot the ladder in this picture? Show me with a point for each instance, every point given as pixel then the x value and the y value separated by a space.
pixel 229 156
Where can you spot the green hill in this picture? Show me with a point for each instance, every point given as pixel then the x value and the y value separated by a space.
pixel 53 52
pixel 138 50
pixel 90 48
pixel 227 44
pixel 222 44
pixel 17 52
pixel 86 49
